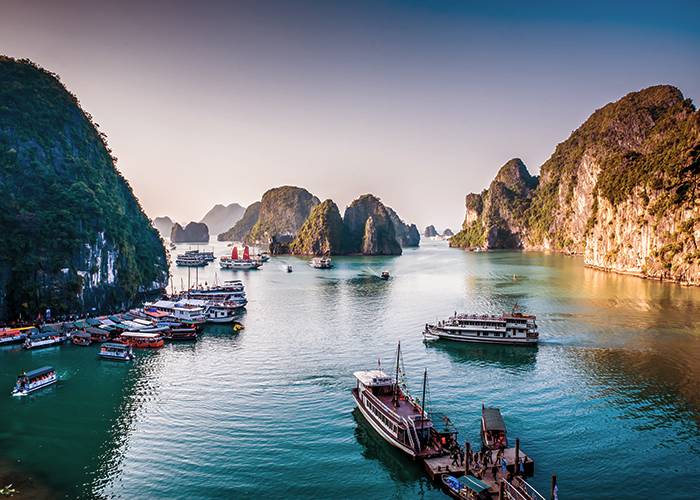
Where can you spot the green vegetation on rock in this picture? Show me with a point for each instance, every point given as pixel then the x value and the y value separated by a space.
pixel 72 234
pixel 245 224
pixel 283 211
pixel 322 233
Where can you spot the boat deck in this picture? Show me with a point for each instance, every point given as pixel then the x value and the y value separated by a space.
pixel 404 409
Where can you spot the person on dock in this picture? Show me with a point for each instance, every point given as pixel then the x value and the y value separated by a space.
pixel 461 457
pixel 494 470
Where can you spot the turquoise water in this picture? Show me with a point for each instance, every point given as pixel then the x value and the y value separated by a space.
pixel 609 401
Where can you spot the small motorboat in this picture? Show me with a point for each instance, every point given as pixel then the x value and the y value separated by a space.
pixel 466 487
pixel 34 380
pixel 81 338
pixel 289 269
pixel 385 275
pixel 493 430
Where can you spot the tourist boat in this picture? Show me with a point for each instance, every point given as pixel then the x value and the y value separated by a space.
pixel 9 335
pixel 514 328
pixel 261 256
pixel 179 311
pixel 385 275
pixel 387 405
pixel 231 293
pixel 116 351
pixel 98 334
pixel 142 340
pixel 34 380
pixel 289 269
pixel 245 263
pixel 207 256
pixel 181 334
pixel 191 260
pixel 81 338
pixel 493 430
pixel 321 263
pixel 45 339
pixel 466 487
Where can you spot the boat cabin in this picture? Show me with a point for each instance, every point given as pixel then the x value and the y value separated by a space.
pixel 140 339
pixel 36 379
pixel 493 430
pixel 321 263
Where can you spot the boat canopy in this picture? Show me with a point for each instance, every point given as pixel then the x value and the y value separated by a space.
pixel 82 335
pixel 81 324
pixel 114 345
pixel 93 322
pixel 138 335
pixel 473 484
pixel 48 329
pixel 37 373
pixel 442 424
pixel 96 331
pixel 492 419
pixel 44 335
pixel 373 378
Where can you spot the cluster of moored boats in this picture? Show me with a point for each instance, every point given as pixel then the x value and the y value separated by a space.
pixel 176 319
pixel 195 258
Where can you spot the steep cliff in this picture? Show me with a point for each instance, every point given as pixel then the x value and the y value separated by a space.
pixel 195 232
pixel 369 228
pixel 430 232
pixel 283 211
pixel 221 218
pixel 621 190
pixel 245 224
pixel 322 233
pixel 406 235
pixel 72 234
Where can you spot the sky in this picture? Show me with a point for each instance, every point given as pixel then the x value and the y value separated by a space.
pixel 417 102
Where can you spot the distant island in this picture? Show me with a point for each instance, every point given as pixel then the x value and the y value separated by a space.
pixel 194 232
pixel 290 220
pixel 621 191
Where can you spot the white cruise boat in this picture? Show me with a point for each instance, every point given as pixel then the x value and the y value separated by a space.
pixel 207 256
pixel 183 313
pixel 321 263
pixel 191 260
pixel 244 263
pixel 221 304
pixel 514 328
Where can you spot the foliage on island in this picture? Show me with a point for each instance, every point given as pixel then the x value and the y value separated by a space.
pixel 322 233
pixel 369 228
pixel 283 210
pixel 243 226
pixel 72 234
pixel 621 190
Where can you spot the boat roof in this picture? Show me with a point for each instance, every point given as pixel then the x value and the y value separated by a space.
pixel 442 424
pixel 38 372
pixel 96 331
pixel 114 345
pixel 141 335
pixel 373 378
pixel 82 335
pixel 492 419
pixel 43 335
pixel 473 484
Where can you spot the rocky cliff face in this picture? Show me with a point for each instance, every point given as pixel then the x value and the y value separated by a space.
pixel 407 235
pixel 321 234
pixel 283 211
pixel 72 234
pixel 164 225
pixel 243 226
pixel 369 228
pixel 430 232
pixel 621 191
pixel 195 232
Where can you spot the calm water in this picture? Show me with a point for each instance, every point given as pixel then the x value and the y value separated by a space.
pixel 609 401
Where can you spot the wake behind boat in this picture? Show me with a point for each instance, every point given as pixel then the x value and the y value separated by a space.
pixel 398 418
pixel 514 328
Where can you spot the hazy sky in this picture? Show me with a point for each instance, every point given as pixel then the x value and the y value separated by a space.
pixel 417 102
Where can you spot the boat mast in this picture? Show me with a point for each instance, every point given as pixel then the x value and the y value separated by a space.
pixel 422 406
pixel 396 381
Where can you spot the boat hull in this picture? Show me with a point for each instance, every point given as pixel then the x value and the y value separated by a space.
pixel 434 332
pixel 33 389
pixel 115 358
pixel 371 419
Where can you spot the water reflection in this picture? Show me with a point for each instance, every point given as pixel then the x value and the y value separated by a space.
pixel 510 357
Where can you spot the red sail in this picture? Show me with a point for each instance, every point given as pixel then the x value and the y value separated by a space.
pixel 234 254
pixel 246 254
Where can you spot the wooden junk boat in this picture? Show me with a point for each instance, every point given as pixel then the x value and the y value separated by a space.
pixel 34 380
pixel 397 417
pixel 493 430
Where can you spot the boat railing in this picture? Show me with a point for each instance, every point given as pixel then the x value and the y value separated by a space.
pixel 524 492
pixel 409 428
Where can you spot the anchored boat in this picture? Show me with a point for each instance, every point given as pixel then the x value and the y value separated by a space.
pixel 234 262
pixel 321 263
pixel 46 339
pixel 514 328
pixel 387 405
pixel 493 430
pixel 34 380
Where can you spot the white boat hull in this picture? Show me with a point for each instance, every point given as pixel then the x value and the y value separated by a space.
pixel 36 388
pixel 371 419
pixel 473 338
